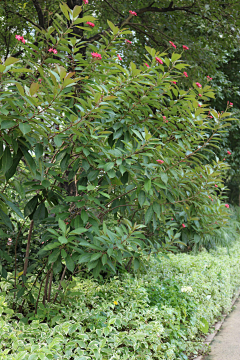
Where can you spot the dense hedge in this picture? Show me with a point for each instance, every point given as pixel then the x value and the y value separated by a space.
pixel 162 314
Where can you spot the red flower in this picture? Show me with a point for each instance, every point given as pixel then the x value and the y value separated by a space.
pixel 158 60
pixel 229 153
pixel 174 82
pixel 183 225
pixel 170 42
pixel 226 205
pixel 89 23
pixel 119 57
pixel 223 159
pixel 132 13
pixel 185 74
pixel 85 2
pixel 199 105
pixel 171 218
pixel 215 185
pixel 231 104
pixel 128 41
pixel 54 51
pixel 185 47
pixel 210 116
pixel 198 84
pixel 209 78
pixel 160 161
pixel 50 50
pixel 20 38
pixel 96 55
pixel 200 95
pixel 146 65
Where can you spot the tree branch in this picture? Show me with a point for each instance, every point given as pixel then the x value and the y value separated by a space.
pixel 39 13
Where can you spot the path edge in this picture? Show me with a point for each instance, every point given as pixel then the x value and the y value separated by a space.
pixel 217 327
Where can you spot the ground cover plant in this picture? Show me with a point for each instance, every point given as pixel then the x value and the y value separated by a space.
pixel 161 314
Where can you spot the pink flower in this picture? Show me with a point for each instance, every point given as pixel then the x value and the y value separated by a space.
pixel 229 153
pixel 185 74
pixel 231 104
pixel 160 161
pixel 170 42
pixel 227 206
pixel 174 82
pixel 89 23
pixel 96 55
pixel 20 38
pixel 215 185
pixel 198 84
pixel 200 95
pixel 212 199
pixel 210 116
pixel 171 218
pixel 158 60
pixel 85 2
pixel 54 51
pixel 50 50
pixel 128 41
pixel 40 80
pixel 132 13
pixel 199 105
pixel 223 159
pixel 183 225
pixel 185 47
pixel 209 78
pixel 146 65
pixel 119 57
pixel 209 197
pixel 164 119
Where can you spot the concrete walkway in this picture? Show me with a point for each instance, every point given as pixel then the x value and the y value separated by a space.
pixel 226 344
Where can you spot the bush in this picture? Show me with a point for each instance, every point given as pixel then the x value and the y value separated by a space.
pixel 158 315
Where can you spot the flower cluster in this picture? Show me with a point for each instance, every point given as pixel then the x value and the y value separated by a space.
pixel 160 161
pixel 85 2
pixel 170 42
pixel 158 60
pixel 185 74
pixel 198 84
pixel 186 289
pixel 96 55
pixel 52 50
pixel 20 38
pixel 89 23
pixel 132 13
pixel 209 78
pixel 185 47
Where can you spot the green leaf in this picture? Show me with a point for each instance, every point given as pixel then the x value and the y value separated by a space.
pixel 114 28
pixel 164 178
pixel 11 171
pixel 65 9
pixel 62 239
pixel 62 226
pixel 204 326
pixel 84 216
pixel 25 128
pixel 6 160
pixel 29 159
pixel 40 213
pixel 31 206
pixel 7 124
pixel 78 231
pixel 95 256
pixel 58 140
pixel 5 219
pixel 70 263
pixel 53 256
pixel 11 60
pixel 38 150
pixel 104 259
pixel 21 292
pixel 76 11
pixel 14 208
pixel 141 198
pixel 157 208
pixel 147 184
pixel 149 214
pixel 84 258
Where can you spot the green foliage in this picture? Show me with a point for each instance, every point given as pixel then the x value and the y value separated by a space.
pixel 162 314
pixel 86 142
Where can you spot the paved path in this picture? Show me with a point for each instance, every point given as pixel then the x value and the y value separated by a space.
pixel 226 344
